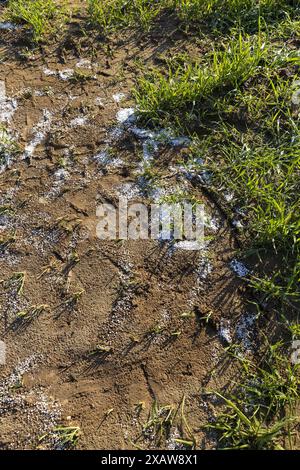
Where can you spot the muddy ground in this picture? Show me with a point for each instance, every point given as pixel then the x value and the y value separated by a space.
pixel 144 301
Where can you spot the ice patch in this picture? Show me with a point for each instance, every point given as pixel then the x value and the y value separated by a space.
pixel 192 169
pixel 211 223
pixel 126 115
pixel 105 159
pixel 79 121
pixel 118 97
pixel 244 330
pixel 60 176
pixel 141 133
pixel 41 413
pixel 180 142
pixel 229 197
pixel 39 133
pixel 239 268
pixel 150 148
pixel 129 190
pixel 116 133
pixel 84 64
pixel 7 148
pixel 237 223
pixel 66 74
pixel 8 26
pixel 2 353
pixel 48 72
pixel 225 331
pixel 39 93
pixel 62 74
pixel 153 139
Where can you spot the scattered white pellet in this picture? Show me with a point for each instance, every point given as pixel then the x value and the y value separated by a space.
pixel 225 331
pixel 239 268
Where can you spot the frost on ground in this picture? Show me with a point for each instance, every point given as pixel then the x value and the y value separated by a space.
pixel 79 121
pixel 118 97
pixel 225 332
pixel 239 268
pixel 245 331
pixel 39 133
pixel 62 74
pixel 40 414
pixel 126 116
pixel 152 139
pixel 7 26
pixel 8 107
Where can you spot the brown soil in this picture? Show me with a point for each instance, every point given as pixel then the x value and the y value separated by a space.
pixel 129 288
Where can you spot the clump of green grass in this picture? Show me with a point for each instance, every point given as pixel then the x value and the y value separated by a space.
pixel 7 240
pixel 225 14
pixel 39 15
pixel 6 209
pixel 261 413
pixel 163 419
pixel 8 147
pixel 189 88
pixel 114 14
pixel 72 300
pixel 31 313
pixel 160 421
pixel 265 177
pixel 15 282
pixel 67 224
pixel 100 350
pixel 61 438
